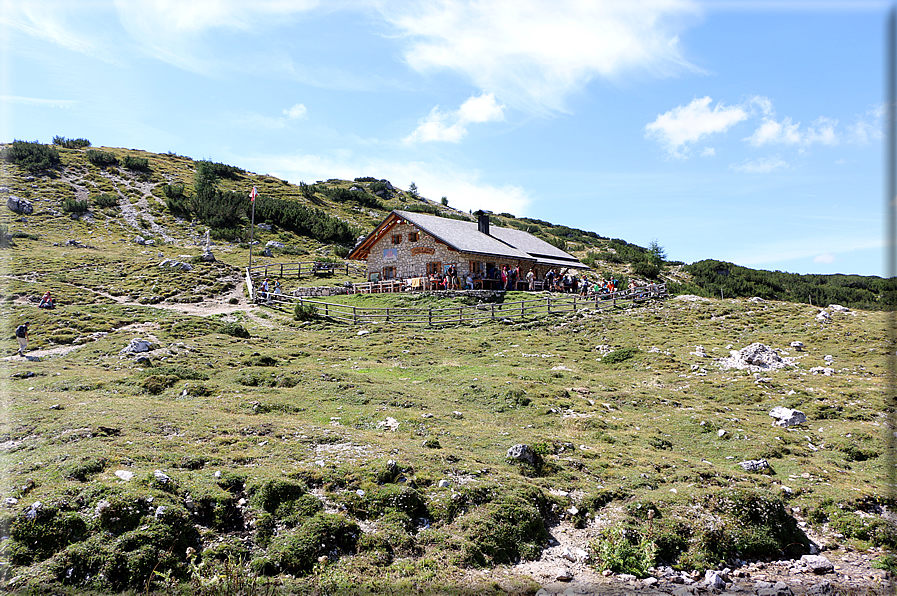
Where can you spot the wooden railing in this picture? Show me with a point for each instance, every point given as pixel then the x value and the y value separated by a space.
pixel 522 309
pixel 299 268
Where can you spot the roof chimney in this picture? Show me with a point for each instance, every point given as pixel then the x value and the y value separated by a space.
pixel 483 222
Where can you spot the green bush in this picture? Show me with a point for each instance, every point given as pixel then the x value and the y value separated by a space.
pixel 101 159
pixel 34 157
pixel 305 312
pixel 622 550
pixel 71 143
pixel 137 164
pixel 73 205
pixel 646 269
pixel 620 355
pixel 234 329
pixel 106 200
pixel 156 383
pixel 297 551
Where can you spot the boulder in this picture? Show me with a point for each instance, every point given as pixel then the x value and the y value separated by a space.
pixel 263 226
pixel 818 564
pixel 207 257
pixel 19 205
pixel 823 317
pixel 136 346
pixel 787 417
pixel 714 580
pixel 797 345
pixel 521 452
pixel 275 244
pixel 756 357
pixel 754 465
pixel 838 308
pixel 139 240
pixel 172 264
pixel 267 252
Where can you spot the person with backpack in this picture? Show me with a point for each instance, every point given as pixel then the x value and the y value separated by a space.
pixel 22 336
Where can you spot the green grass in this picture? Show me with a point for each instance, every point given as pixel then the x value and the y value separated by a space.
pixel 292 414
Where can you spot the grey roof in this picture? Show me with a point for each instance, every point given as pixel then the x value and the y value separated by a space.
pixel 465 236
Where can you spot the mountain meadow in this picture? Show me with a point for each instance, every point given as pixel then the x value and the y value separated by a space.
pixel 163 433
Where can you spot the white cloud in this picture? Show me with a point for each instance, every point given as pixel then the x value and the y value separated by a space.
pixel 764 165
pixel 863 131
pixel 687 124
pixel 463 188
pixel 772 132
pixel 452 126
pixel 827 258
pixel 296 112
pixel 36 101
pixel 708 152
pixel 533 54
pixel 171 30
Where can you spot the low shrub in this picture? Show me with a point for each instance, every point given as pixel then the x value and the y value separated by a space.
pixel 106 200
pixel 234 329
pixel 305 312
pixel 623 550
pixel 83 469
pixel 34 157
pixel 297 551
pixel 156 383
pixel 101 159
pixel 71 143
pixel 73 205
pixel 620 355
pixel 137 164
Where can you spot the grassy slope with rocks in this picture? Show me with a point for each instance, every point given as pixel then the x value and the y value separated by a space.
pixel 322 456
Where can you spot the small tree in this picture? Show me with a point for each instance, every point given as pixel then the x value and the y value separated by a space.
pixel 657 254
pixel 412 190
pixel 445 201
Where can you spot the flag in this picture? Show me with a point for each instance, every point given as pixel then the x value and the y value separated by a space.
pixel 253 195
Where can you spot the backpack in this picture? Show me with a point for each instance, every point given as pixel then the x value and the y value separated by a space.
pixel 21 331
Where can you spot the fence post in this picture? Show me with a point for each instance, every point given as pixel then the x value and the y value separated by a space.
pixel 522 311
pixel 430 316
pixel 299 270
pixel 326 309
pixel 548 303
pixel 387 313
pixel 354 316
pixel 347 268
pixel 493 310
pixel 574 302
pixel 281 270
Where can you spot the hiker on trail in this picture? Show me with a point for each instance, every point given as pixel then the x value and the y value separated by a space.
pixel 549 280
pixel 277 288
pixel 531 280
pixel 22 336
pixel 46 301
pixel 264 289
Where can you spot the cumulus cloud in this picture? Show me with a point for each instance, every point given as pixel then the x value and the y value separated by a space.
pixel 533 54
pixel 451 126
pixel 764 165
pixel 684 125
pixel 772 132
pixel 296 112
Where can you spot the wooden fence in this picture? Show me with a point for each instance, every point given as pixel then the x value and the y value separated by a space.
pixel 523 309
pixel 299 268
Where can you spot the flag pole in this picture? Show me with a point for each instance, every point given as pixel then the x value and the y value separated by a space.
pixel 252 196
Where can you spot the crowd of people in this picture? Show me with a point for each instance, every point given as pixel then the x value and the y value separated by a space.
pixel 509 278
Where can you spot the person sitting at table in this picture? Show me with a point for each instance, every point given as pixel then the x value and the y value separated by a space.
pixel 468 282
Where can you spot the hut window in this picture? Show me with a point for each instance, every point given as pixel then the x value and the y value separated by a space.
pixel 396 238
pixel 412 236
pixel 389 273
pixel 434 268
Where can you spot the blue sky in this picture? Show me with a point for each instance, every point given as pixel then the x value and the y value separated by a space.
pixel 744 131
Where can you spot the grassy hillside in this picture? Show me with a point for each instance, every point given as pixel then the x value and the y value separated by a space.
pixel 373 459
